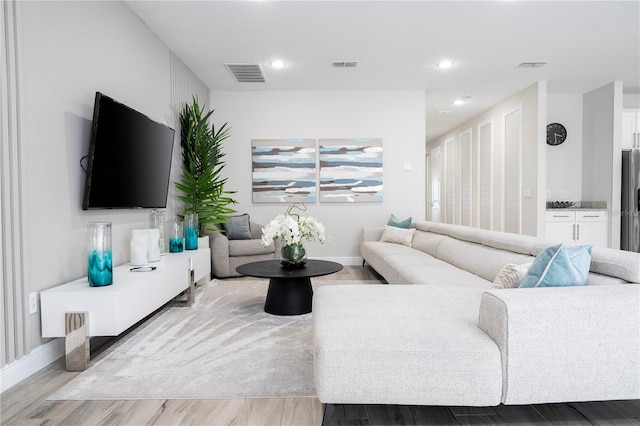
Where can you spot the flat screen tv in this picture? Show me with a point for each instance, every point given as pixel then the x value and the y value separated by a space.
pixel 129 158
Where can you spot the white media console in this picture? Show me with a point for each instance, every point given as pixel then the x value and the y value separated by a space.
pixel 77 311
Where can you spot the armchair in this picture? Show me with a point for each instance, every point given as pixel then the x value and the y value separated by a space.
pixel 227 254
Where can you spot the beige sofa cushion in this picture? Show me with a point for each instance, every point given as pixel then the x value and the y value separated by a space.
pixel 617 263
pixel 476 258
pixel 248 248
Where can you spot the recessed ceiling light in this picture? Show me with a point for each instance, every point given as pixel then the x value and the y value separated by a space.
pixel 445 64
pixel 277 64
pixel 461 101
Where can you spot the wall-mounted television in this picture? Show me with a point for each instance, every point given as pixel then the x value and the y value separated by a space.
pixel 129 158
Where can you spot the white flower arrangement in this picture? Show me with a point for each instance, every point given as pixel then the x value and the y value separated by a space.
pixel 291 228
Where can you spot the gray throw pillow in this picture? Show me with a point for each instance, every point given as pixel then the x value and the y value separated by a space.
pixel 238 228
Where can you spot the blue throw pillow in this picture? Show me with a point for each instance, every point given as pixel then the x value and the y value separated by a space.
pixel 559 266
pixel 393 221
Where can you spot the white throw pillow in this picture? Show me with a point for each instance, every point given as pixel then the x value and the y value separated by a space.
pixel 511 275
pixel 393 234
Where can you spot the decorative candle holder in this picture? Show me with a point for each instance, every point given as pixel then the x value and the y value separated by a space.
pixel 139 247
pixel 191 231
pixel 158 223
pixel 100 263
pixel 176 238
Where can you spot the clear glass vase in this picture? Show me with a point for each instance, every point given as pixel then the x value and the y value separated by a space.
pixel 176 238
pixel 154 245
pixel 293 256
pixel 158 223
pixel 100 263
pixel 191 231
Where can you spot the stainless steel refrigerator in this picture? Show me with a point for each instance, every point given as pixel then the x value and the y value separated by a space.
pixel 630 232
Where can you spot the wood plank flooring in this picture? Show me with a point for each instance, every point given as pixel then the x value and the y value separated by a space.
pixel 27 404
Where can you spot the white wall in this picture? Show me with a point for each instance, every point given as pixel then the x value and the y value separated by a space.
pixel 564 162
pixel 631 100
pixel 601 153
pixel 67 52
pixel 395 116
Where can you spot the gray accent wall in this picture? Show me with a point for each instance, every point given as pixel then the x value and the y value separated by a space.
pixel 58 55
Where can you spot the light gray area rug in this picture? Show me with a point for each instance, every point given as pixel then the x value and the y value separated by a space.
pixel 225 346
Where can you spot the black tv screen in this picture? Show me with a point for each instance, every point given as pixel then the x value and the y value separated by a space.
pixel 129 158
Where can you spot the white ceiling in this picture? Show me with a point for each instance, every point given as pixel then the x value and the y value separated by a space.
pixel 398 43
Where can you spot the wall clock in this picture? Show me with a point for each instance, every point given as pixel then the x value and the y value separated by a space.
pixel 556 134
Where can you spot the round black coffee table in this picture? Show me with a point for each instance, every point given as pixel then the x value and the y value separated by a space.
pixel 290 291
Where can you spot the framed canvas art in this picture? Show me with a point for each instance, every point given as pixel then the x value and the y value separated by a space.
pixel 283 170
pixel 350 170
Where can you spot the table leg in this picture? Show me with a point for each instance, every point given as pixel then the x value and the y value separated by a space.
pixel 76 342
pixel 289 296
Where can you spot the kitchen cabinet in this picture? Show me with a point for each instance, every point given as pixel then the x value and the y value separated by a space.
pixel 578 226
pixel 630 128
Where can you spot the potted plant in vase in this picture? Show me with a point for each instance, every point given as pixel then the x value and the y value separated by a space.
pixel 202 183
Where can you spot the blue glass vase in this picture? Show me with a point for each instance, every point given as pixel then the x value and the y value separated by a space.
pixel 191 231
pixel 100 262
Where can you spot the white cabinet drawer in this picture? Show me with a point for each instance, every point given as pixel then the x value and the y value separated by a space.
pixel 561 216
pixel 591 216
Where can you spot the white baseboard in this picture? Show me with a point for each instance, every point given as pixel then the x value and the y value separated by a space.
pixel 38 358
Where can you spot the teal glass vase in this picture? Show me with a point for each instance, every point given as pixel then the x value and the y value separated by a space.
pixel 191 231
pixel 100 262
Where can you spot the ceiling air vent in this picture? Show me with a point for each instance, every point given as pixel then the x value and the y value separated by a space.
pixel 535 64
pixel 246 73
pixel 344 64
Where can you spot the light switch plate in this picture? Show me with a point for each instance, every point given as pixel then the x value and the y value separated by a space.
pixel 33 302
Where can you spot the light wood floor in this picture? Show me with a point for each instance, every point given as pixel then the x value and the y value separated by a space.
pixel 27 404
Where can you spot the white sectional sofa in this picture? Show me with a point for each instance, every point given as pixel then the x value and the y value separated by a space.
pixel 450 339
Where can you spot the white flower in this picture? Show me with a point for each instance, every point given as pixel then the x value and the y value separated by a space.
pixel 292 228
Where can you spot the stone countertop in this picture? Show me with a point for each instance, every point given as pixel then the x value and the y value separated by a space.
pixel 574 208
pixel 577 205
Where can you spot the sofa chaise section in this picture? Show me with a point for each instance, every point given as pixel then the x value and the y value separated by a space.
pixel 442 342
pixel 403 345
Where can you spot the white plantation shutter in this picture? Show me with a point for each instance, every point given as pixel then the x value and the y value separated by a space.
pixel 465 178
pixel 484 174
pixel 512 171
pixel 450 182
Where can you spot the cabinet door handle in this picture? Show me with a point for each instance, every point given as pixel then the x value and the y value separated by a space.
pixel 592 215
pixel 578 232
pixel 574 231
pixel 556 215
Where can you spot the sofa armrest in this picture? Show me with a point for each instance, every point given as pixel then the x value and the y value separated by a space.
pixel 372 233
pixel 219 243
pixel 566 343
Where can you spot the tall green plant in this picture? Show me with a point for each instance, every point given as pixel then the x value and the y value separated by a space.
pixel 202 183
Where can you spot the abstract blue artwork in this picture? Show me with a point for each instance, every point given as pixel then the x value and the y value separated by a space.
pixel 284 170
pixel 350 170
